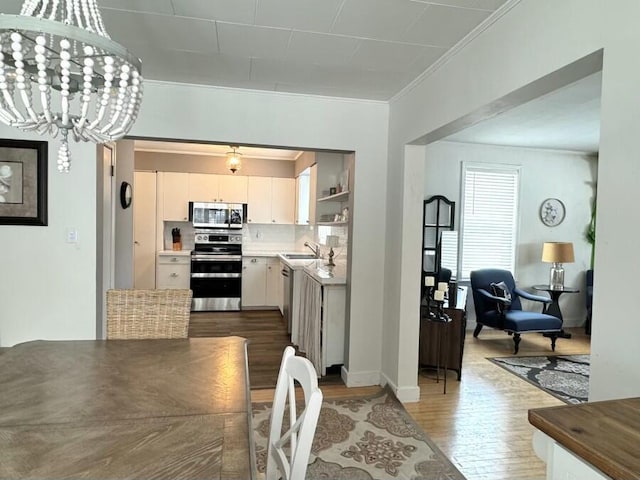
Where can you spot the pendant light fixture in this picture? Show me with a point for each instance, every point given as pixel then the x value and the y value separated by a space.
pixel 233 159
pixel 60 73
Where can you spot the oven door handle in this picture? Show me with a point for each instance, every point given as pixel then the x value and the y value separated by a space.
pixel 216 275
pixel 216 258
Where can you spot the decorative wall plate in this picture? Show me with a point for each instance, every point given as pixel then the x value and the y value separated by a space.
pixel 552 212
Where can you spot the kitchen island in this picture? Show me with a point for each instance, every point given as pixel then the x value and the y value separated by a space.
pixel 591 441
pixel 318 309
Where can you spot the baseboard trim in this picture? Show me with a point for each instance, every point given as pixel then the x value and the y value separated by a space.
pixel 404 394
pixel 359 379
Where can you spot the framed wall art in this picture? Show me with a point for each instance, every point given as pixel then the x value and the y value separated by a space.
pixel 23 182
pixel 552 212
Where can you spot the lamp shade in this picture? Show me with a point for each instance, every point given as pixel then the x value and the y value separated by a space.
pixel 557 252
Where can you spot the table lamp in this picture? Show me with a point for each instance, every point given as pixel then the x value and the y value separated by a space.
pixel 557 253
pixel 331 241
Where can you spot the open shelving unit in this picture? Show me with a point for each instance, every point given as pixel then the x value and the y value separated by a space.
pixel 338 197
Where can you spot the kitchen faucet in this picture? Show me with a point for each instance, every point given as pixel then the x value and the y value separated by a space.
pixel 315 248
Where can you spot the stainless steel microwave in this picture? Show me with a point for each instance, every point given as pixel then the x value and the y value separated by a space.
pixel 217 215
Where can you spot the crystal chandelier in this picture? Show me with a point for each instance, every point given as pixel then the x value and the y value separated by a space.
pixel 60 72
pixel 233 159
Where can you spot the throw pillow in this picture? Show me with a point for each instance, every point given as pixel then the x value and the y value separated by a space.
pixel 501 290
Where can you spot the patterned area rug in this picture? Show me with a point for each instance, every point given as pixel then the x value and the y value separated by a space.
pixel 363 439
pixel 565 377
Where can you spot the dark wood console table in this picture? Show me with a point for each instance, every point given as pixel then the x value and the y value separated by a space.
pixel 429 335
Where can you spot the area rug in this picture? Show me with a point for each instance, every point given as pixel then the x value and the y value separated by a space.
pixel 563 376
pixel 362 439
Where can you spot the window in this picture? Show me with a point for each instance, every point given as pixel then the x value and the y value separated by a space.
pixel 489 217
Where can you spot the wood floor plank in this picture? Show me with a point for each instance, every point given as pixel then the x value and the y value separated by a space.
pixel 480 424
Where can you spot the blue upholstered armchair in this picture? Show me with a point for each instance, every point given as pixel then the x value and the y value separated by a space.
pixel 497 303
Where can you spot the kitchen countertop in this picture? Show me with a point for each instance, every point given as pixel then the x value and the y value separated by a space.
pixel 605 434
pixel 314 267
pixel 174 252
pixel 327 276
pixel 260 253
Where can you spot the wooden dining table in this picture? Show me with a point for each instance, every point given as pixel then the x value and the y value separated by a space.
pixel 126 409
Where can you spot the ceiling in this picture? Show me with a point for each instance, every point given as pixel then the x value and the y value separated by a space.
pixel 348 48
pixel 566 119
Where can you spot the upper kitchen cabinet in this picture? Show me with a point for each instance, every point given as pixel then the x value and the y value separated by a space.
pixel 233 188
pixel 173 196
pixel 283 194
pixel 306 196
pixel 271 200
pixel 205 187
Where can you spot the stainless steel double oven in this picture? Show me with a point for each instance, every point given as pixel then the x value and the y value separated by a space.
pixel 216 270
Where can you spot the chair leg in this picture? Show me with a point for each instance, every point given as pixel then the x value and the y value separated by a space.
pixel 516 341
pixel 477 330
pixel 553 342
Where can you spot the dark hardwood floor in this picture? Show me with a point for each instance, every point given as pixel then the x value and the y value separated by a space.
pixel 265 330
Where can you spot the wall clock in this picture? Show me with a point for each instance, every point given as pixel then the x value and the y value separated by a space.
pixel 552 212
pixel 125 194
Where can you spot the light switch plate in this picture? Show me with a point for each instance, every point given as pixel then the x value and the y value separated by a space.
pixel 72 235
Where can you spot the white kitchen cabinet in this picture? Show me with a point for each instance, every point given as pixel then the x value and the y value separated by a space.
pixel 274 283
pixel 283 200
pixel 233 188
pixel 203 187
pixel 208 187
pixel 173 189
pixel 306 196
pixel 271 200
pixel 259 204
pixel 173 270
pixel 254 274
pixel 313 193
pixel 260 279
pixel 331 325
pixel 302 197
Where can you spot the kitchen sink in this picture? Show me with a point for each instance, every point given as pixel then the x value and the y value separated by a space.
pixel 299 256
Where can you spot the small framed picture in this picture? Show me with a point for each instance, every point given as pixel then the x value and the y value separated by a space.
pixel 23 182
pixel 552 212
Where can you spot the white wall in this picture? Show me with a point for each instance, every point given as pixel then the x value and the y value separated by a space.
pixel 186 112
pixel 47 286
pixel 531 40
pixel 543 174
pixel 124 217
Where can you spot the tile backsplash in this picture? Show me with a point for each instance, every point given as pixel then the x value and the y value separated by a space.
pixel 267 237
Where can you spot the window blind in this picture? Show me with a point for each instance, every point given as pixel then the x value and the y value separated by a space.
pixel 489 218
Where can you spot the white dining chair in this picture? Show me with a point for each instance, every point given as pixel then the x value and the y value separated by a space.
pixel 288 453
